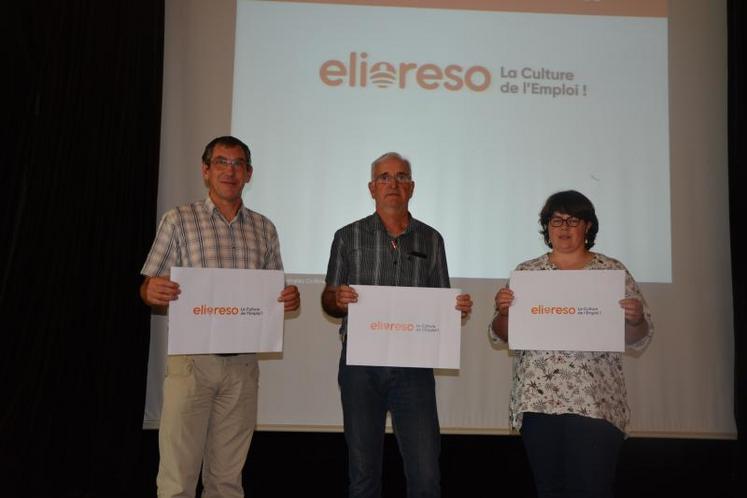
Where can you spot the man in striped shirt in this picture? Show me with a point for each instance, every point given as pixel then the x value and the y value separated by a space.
pixel 390 247
pixel 210 401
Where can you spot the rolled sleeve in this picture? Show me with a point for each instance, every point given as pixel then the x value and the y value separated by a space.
pixel 163 253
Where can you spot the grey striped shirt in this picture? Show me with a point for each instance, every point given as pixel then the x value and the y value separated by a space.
pixel 197 235
pixel 364 253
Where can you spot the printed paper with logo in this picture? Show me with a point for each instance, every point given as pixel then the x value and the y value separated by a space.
pixel 404 327
pixel 226 311
pixel 569 310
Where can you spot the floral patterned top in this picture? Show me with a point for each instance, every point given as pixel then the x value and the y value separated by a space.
pixel 581 382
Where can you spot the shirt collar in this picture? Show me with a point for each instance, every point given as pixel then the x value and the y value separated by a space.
pixel 212 209
pixel 375 224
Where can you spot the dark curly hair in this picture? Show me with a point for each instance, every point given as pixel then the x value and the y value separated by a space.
pixel 572 203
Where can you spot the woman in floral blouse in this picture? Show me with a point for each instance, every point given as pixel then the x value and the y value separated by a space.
pixel 571 406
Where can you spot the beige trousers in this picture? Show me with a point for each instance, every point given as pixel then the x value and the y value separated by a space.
pixel 208 418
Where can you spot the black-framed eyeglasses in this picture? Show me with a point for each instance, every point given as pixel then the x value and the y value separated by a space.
pixel 386 178
pixel 223 163
pixel 571 221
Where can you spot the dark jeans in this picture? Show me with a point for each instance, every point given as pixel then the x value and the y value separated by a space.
pixel 571 455
pixel 409 395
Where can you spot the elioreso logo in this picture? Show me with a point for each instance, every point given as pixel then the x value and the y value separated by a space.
pixel 542 309
pixel 394 326
pixel 205 310
pixel 379 326
pixel 358 71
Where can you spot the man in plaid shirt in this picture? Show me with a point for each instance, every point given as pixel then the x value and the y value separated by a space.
pixel 210 400
pixel 388 248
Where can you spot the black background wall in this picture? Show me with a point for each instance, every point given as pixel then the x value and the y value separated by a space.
pixel 83 121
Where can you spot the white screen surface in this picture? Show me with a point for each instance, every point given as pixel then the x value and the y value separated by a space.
pixel 681 386
pixel 467 96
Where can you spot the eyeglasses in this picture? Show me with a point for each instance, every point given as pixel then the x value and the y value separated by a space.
pixel 571 221
pixel 223 163
pixel 386 179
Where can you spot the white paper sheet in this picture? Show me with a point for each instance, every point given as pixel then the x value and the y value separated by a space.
pixel 569 310
pixel 404 327
pixel 226 311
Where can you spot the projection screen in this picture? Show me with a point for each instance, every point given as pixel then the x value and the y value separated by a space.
pixel 497 104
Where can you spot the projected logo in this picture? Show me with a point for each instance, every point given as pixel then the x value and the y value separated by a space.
pixel 383 74
pixel 359 71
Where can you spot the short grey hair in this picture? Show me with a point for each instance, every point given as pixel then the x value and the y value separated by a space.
pixel 388 156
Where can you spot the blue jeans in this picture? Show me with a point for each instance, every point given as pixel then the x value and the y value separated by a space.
pixel 571 455
pixel 409 395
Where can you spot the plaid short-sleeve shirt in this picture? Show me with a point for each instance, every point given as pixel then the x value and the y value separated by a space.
pixel 198 235
pixel 364 253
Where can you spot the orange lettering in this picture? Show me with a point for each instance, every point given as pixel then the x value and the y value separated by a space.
pixel 332 69
pixel 428 72
pixel 351 80
pixel 453 74
pixel 468 78
pixel 404 68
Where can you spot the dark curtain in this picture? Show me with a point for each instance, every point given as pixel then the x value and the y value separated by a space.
pixel 83 120
pixel 737 15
